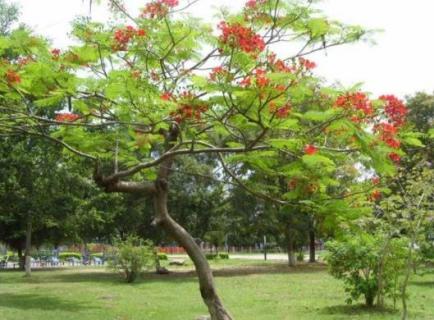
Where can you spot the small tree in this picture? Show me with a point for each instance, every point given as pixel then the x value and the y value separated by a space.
pixel 361 260
pixel 131 257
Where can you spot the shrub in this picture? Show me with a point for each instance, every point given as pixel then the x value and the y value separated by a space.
pixel 223 256
pixel 300 256
pixel 131 257
pixel 65 255
pixel 366 262
pixel 97 255
pixel 211 256
pixel 162 256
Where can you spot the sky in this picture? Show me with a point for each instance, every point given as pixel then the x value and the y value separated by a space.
pixel 401 62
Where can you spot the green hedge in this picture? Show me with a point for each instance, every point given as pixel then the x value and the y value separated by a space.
pixel 66 255
pixel 212 256
pixel 97 255
pixel 162 256
pixel 224 256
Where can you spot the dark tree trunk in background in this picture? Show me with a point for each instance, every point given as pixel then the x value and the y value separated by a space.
pixel 28 262
pixel 21 261
pixel 312 257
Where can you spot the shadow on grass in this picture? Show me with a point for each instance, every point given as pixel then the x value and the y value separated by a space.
pixel 429 284
pixel 357 310
pixel 39 302
pixel 103 276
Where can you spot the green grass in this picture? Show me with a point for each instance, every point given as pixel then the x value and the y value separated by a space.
pixel 250 289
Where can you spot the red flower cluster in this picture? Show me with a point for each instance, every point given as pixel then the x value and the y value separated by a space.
pixel 375 195
pixel 12 77
pixel 123 36
pixel 310 149
pixel 283 112
pixel 170 3
pixel 237 36
pixel 395 109
pixel 356 100
pixel 251 4
pixel 55 53
pixel 307 64
pixel 66 117
pixel 278 64
pixel 158 9
pixel 261 78
pixel 218 72
pixel 166 96
pixel 188 112
pixel 387 134
pixel 394 157
pixel 246 82
pixel 375 180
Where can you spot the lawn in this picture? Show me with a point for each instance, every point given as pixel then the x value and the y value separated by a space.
pixel 250 289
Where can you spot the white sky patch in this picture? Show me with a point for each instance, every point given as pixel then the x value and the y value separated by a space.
pixel 401 63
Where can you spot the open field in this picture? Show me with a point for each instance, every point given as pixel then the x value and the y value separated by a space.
pixel 251 290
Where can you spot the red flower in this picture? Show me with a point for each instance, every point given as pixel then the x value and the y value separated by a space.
pixel 246 82
pixel 166 96
pixel 158 9
pixel 310 149
pixel 387 133
pixel 55 54
pixel 66 117
pixel 283 112
pixel 170 3
pixel 237 36
pixel 395 109
pixel 217 72
pixel 375 195
pixel 394 157
pixel 307 64
pixel 261 79
pixel 356 100
pixel 12 77
pixel 141 33
pixel 375 180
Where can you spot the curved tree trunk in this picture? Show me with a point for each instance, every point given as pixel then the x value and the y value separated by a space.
pixel 27 257
pixel 203 270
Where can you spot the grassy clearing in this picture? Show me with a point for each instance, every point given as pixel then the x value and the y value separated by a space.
pixel 250 289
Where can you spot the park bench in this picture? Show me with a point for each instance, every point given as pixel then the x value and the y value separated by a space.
pixel 177 262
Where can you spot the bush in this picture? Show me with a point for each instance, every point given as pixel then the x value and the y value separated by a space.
pixel 223 256
pixel 300 256
pixel 364 261
pixel 132 257
pixel 97 255
pixel 65 255
pixel 211 256
pixel 162 256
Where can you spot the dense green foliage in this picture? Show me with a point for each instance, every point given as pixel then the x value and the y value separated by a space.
pixel 131 257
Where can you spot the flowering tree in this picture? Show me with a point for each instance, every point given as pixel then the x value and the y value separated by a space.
pixel 167 85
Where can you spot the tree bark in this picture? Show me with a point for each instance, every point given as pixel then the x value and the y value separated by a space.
pixel 206 281
pixel 21 261
pixel 312 252
pixel 27 257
